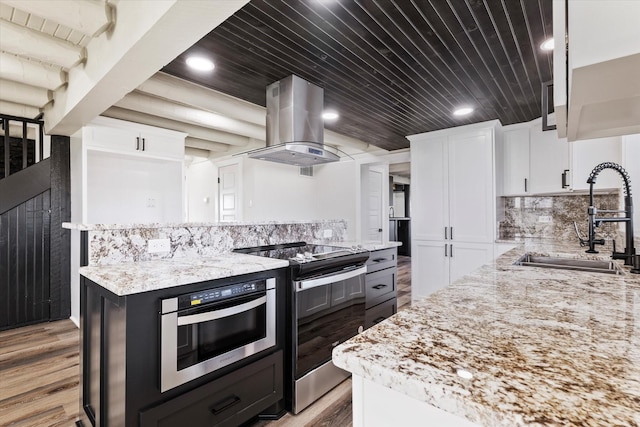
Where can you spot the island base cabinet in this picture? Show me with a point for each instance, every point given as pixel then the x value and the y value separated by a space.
pixel 372 403
pixel 228 401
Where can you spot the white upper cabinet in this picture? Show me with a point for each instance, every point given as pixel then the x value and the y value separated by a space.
pixel 549 161
pixel 602 88
pixel 588 154
pixel 118 136
pixel 515 166
pixel 549 164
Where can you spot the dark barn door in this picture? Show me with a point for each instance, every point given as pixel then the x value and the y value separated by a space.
pixel 24 270
pixel 34 201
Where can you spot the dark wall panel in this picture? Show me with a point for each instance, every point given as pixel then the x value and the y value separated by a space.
pixel 60 238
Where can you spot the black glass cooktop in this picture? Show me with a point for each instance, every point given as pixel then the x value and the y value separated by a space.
pixel 298 251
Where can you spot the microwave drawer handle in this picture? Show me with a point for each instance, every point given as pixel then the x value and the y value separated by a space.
pixel 219 314
pixel 302 285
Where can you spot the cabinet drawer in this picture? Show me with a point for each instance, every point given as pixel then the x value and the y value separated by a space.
pixel 380 312
pixel 380 286
pixel 227 401
pixel 379 260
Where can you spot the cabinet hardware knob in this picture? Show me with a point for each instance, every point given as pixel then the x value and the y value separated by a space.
pixel 445 250
pixel 525 185
pixel 451 250
pixel 451 233
pixel 143 141
pixel 378 287
pixel 445 233
pixel 137 143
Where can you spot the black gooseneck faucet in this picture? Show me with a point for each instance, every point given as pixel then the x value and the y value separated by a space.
pixel 595 222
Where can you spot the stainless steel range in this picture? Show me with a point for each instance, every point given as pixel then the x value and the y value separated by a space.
pixel 326 306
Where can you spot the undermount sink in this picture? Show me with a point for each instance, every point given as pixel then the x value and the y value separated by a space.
pixel 594 266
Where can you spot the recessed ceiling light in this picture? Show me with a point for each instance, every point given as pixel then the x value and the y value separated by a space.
pixel 200 63
pixel 547 44
pixel 463 111
pixel 330 115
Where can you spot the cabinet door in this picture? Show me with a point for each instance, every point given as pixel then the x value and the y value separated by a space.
pixel 161 145
pixel 429 205
pixel 515 161
pixel 113 139
pixel 549 159
pixel 429 268
pixel 471 187
pixel 587 154
pixel 466 257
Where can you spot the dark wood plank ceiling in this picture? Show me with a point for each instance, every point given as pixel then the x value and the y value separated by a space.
pixel 390 67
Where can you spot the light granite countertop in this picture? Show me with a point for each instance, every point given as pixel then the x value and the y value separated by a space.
pixel 545 347
pixel 136 277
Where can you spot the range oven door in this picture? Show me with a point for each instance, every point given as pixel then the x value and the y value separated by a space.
pixel 207 330
pixel 329 310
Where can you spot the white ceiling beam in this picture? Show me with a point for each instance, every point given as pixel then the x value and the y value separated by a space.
pixel 146 36
pixel 31 73
pixel 33 44
pixel 196 152
pixel 88 17
pixel 203 144
pixel 24 94
pixel 179 90
pixel 18 110
pixel 163 108
pixel 193 130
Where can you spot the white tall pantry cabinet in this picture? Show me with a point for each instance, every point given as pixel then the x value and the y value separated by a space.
pixel 453 204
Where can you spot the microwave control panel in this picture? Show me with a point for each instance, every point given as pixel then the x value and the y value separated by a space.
pixel 218 294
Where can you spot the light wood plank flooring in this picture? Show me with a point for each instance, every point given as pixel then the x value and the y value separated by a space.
pixel 39 376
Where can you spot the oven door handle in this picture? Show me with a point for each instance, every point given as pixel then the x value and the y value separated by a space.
pixel 219 314
pixel 302 285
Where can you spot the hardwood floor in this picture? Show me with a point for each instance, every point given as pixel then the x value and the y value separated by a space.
pixel 39 376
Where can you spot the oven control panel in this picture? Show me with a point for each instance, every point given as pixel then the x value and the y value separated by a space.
pixel 221 293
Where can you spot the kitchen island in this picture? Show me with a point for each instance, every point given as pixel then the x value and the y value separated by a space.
pixel 506 346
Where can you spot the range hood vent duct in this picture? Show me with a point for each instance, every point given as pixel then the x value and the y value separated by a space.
pixel 295 128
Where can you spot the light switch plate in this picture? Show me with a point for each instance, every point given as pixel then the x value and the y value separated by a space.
pixel 158 245
pixel 544 218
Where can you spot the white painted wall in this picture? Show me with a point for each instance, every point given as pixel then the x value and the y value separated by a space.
pixel 201 189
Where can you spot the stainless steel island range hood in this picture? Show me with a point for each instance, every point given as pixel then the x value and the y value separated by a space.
pixel 295 128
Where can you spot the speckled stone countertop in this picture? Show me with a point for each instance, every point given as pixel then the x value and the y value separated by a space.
pixel 546 347
pixel 136 277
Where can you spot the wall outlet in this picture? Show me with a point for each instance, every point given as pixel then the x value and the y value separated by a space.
pixel 158 245
pixel 327 234
pixel 544 218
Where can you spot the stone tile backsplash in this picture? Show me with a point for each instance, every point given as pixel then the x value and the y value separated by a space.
pixel 552 217
pixel 109 246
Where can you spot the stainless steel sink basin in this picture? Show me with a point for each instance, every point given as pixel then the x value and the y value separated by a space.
pixel 594 266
